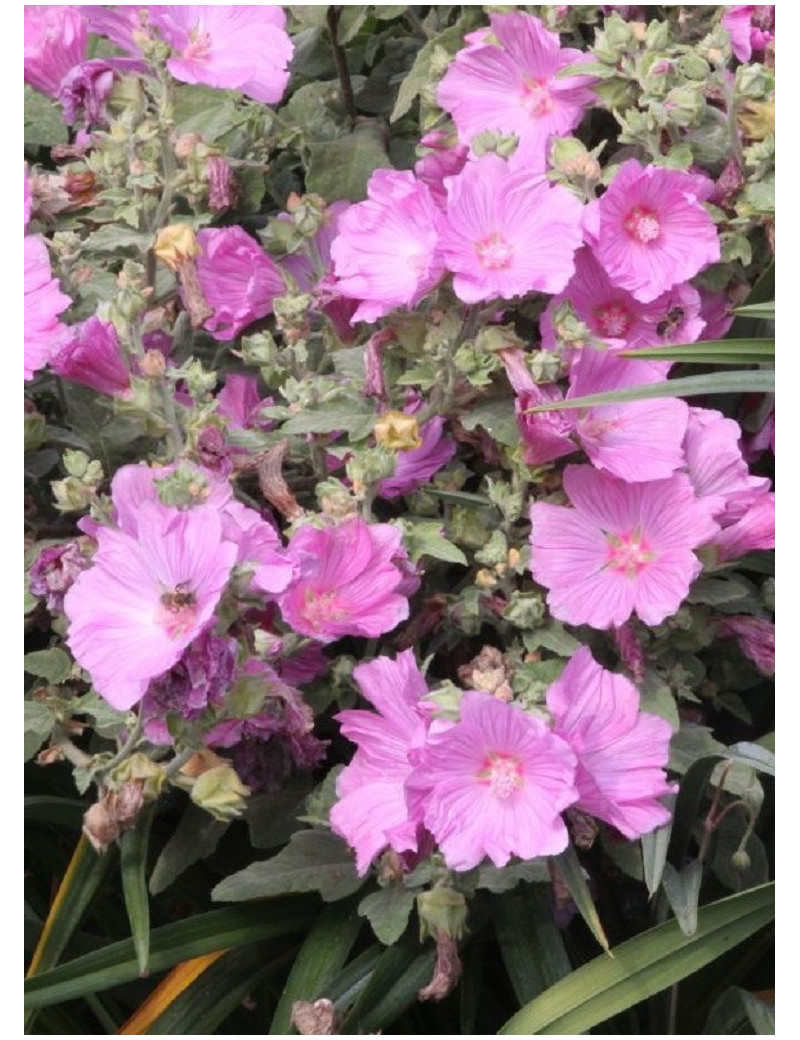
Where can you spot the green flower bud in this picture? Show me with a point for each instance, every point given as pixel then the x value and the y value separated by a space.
pixel 220 792
pixel 447 699
pixel 141 770
pixel 442 911
pixel 369 466
pixel 184 488
pixel 492 142
pixel 76 463
pixel 35 424
pixel 495 551
pixel 656 37
pixel 525 610
pixel 740 860
pixel 497 337
pixel 469 526
pixel 694 67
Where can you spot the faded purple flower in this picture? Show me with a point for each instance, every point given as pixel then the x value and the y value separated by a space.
pixel 54 571
pixel 90 353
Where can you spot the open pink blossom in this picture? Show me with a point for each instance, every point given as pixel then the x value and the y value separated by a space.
pixel 55 42
pixel 44 301
pixel 28 197
pixel 621 750
pixel 750 27
pixel 624 548
pixel 418 465
pixel 237 278
pixel 240 402
pixel 386 253
pixel 237 47
pixel 751 526
pixel 650 231
pixel 715 464
pixel 494 784
pixel 508 233
pixel 134 485
pixel 512 85
pixel 259 546
pixel 371 813
pixel 90 353
pixel 145 598
pixel 349 583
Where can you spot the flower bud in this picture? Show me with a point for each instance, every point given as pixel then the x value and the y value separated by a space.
pixel 220 792
pixel 442 911
pixel 174 244
pixel 186 144
pixel 525 610
pixel 153 365
pixel 398 431
pixel 740 860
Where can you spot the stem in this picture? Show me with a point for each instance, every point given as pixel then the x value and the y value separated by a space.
pixel 178 762
pixel 70 751
pixel 340 60
pixel 127 748
pixel 673 1010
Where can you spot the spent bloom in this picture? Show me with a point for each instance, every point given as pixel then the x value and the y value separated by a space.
pixel 649 231
pixel 371 813
pixel 85 89
pixel 90 353
pixel 508 232
pixel 44 301
pixel 494 784
pixel 417 466
pixel 55 42
pixel 55 569
pixel 624 548
pixel 507 81
pixel 621 750
pixel 756 639
pixel 349 582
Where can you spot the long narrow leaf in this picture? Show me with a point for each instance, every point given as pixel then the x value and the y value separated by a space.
pixel 764 310
pixel 643 966
pixel 531 945
pixel 167 991
pixel 393 987
pixel 570 868
pixel 133 868
pixel 718 351
pixel 757 381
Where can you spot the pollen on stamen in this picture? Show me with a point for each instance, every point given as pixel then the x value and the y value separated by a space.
pixel 502 773
pixel 494 252
pixel 643 225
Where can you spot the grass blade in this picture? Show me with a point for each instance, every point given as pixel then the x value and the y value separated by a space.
pixel 718 351
pixel 531 945
pixel 570 869
pixel 133 865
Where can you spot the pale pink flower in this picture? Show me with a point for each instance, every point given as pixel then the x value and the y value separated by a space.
pixel 512 85
pixel 756 639
pixel 28 197
pixel 386 253
pixel 750 27
pixel 90 353
pixel 259 546
pixel 444 159
pixel 43 303
pixel 134 485
pixel 145 598
pixel 494 784
pixel 349 583
pixel 55 42
pixel 624 548
pixel 417 466
pixel 650 231
pixel 371 813
pixel 715 464
pixel 240 402
pixel 621 750
pixel 508 233
pixel 546 436
pixel 237 279
pixel 238 47
pixel 747 527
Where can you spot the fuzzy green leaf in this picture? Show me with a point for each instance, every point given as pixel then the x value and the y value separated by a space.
pixel 387 911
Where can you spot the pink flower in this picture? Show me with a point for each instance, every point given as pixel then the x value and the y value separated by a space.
pixel 513 87
pixel 386 253
pixel 624 548
pixel 55 41
pixel 621 750
pixel 259 545
pixel 443 160
pixel 135 485
pixel 349 583
pixel 238 47
pixel 716 312
pixel 494 784
pixel 239 402
pixel 417 466
pixel 85 89
pixel 508 233
pixel 650 230
pixel 756 639
pixel 371 813
pixel 715 463
pixel 43 303
pixel 145 598
pixel 28 197
pixel 753 528
pixel 237 278
pixel 546 436
pixel 750 27
pixel 90 354
pixel 222 188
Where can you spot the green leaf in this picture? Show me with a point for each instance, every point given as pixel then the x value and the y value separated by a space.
pixel 496 416
pixel 736 1010
pixel 654 855
pixel 356 418
pixel 51 809
pixel 690 744
pixel 642 967
pixel 387 910
pixel 531 945
pixel 682 888
pixel 553 637
pixel 196 836
pixel 421 73
pixel 116 964
pixel 341 169
pixel 54 664
pixel 718 351
pixel 718 591
pixel 571 870
pixel 272 817
pixel 133 864
pixel 657 699
pixel 393 987
pixel 39 722
pixel 425 538
pixel 760 381
pixel 313 861
pixel 765 310
pixel 503 879
pixel 727 839
pixel 691 797
pixel 107 721
pixel 321 957
pixel 753 755
pixel 111 237
pixel 42 118
pixel 207 111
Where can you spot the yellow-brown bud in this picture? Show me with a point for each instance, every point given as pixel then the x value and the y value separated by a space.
pixel 398 431
pixel 174 244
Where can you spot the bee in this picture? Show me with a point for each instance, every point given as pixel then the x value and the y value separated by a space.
pixel 179 597
pixel 672 320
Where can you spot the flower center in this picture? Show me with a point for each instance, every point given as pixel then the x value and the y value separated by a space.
pixel 642 224
pixel 494 252
pixel 536 98
pixel 613 319
pixel 503 774
pixel 178 611
pixel 199 45
pixel 319 607
pixel 628 553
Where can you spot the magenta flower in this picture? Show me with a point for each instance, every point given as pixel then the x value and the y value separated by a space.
pixel 239 402
pixel 750 27
pixel 349 583
pixel 55 42
pixel 621 750
pixel 715 464
pixel 44 301
pixel 135 485
pixel 508 233
pixel 259 546
pixel 90 354
pixel 444 159
pixel 494 784
pixel 513 87
pixel 650 231
pixel 237 278
pixel 371 813
pixel 146 598
pixel 54 571
pixel 237 47
pixel 85 89
pixel 624 548
pixel 546 436
pixel 28 197
pixel 386 253
pixel 756 639
pixel 416 466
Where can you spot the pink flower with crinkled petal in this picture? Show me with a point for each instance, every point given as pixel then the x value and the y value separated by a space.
pixel 750 27
pixel 145 598
pixel 621 750
pixel 546 436
pixel 44 301
pixel 756 639
pixel 55 42
pixel 349 583
pixel 508 81
pixel 623 548
pixel 417 466
pixel 508 233
pixel 444 159
pixel 239 402
pixel 494 784
pixel 715 464
pixel 753 528
pixel 371 813
pixel 650 230
pixel 237 278
pixel 386 253
pixel 90 353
